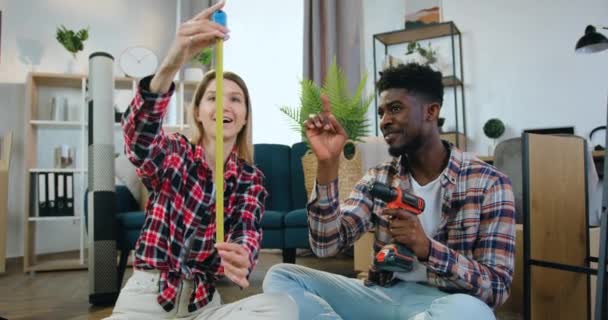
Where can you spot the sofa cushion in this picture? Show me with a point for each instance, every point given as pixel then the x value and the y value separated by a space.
pixel 273 239
pixel 298 190
pixel 125 200
pixel 131 220
pixel 296 218
pixel 273 219
pixel 297 238
pixel 273 160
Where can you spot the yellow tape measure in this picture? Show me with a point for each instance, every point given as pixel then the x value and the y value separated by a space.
pixel 220 18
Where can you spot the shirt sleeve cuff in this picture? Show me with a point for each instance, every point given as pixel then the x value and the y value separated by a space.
pixel 144 90
pixel 324 193
pixel 440 258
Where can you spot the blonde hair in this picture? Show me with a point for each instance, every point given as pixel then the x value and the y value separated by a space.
pixel 244 144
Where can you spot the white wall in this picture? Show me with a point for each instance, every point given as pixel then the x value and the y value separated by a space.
pixel 269 58
pixel 378 17
pixel 519 62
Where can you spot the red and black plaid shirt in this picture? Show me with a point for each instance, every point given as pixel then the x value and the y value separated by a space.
pixel 178 235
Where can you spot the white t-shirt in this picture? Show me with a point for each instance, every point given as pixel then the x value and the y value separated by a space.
pixel 429 218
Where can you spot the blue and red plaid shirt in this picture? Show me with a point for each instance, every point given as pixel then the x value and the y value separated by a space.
pixel 178 235
pixel 473 249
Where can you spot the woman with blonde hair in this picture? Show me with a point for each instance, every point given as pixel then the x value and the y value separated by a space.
pixel 177 259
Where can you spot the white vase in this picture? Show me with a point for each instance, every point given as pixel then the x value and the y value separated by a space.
pixel 59 109
pixel 77 65
pixel 491 147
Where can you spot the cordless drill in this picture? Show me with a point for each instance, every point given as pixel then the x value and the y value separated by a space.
pixel 395 256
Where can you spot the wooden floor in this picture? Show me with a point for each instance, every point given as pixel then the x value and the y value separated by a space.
pixel 64 294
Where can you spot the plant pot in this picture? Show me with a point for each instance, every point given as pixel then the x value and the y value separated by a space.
pixel 349 170
pixel 75 65
pixel 71 67
pixel 491 147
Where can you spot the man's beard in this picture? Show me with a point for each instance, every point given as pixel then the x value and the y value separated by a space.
pixel 409 147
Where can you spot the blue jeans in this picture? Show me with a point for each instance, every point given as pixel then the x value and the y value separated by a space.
pixel 323 295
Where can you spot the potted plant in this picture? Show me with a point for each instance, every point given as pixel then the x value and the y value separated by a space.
pixel 493 129
pixel 71 40
pixel 427 56
pixel 199 64
pixel 349 110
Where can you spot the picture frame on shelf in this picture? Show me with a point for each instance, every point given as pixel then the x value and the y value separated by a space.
pixel 421 12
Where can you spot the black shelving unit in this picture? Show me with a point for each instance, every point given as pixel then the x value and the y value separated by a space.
pixel 454 81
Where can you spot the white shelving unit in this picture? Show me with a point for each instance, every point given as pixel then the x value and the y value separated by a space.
pixel 56 124
pixel 53 218
pixel 43 134
pixel 58 170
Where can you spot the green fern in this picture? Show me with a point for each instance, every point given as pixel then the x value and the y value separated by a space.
pixel 349 110
pixel 294 116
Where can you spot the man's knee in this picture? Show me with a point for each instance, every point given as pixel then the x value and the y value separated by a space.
pixel 278 273
pixel 461 299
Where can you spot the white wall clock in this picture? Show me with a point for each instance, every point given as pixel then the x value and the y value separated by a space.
pixel 138 62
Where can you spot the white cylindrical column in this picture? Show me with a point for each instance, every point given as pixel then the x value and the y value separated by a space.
pixel 101 224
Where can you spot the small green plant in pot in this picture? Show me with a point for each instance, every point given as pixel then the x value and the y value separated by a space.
pixel 493 129
pixel 73 41
pixel 349 110
pixel 429 54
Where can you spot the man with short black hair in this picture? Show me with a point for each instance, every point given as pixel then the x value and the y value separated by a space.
pixel 464 240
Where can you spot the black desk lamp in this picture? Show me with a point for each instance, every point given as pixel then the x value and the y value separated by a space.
pixel 592 42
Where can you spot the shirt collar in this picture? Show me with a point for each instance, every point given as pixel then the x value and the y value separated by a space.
pixel 230 169
pixel 400 164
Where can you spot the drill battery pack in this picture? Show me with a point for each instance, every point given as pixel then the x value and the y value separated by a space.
pixel 394 257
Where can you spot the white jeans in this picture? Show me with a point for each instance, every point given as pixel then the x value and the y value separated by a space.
pixel 137 300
